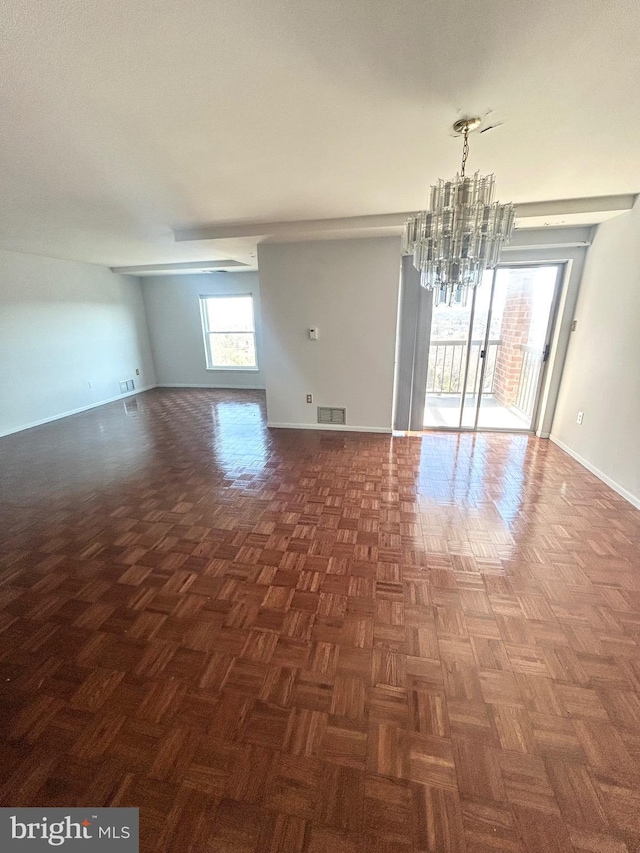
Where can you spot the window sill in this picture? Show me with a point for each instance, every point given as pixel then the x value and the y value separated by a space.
pixel 233 369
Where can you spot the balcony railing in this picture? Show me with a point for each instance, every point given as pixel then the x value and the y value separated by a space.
pixel 529 373
pixel 446 366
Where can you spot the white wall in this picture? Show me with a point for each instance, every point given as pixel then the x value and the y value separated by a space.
pixel 62 325
pixel 602 369
pixel 349 290
pixel 173 313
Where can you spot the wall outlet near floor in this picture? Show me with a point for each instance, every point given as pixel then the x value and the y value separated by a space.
pixel 580 418
pixel 309 398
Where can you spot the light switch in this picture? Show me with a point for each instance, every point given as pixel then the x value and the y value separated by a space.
pixel 313 333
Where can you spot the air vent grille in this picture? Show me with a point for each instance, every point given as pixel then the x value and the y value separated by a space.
pixel 329 415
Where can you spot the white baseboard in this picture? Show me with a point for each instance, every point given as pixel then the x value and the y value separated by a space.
pixel 212 387
pixel 76 411
pixel 625 493
pixel 332 427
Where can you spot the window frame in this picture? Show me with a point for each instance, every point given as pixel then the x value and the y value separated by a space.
pixel 206 332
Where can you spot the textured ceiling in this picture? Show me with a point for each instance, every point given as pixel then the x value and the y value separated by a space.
pixel 122 119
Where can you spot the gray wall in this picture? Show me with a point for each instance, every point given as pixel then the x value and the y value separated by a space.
pixel 173 313
pixel 602 369
pixel 349 290
pixel 64 325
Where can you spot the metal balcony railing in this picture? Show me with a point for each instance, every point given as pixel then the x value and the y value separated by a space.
pixel 446 366
pixel 529 373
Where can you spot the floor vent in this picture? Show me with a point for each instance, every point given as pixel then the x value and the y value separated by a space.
pixel 327 415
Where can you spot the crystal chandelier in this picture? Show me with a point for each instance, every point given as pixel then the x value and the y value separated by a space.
pixel 462 233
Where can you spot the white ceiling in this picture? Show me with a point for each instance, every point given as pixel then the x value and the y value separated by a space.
pixel 123 120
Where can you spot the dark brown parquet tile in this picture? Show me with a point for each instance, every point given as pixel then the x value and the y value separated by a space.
pixel 277 641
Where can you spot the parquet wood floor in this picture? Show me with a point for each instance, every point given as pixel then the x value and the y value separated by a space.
pixel 280 641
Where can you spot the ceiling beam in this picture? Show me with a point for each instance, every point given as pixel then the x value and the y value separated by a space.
pixel 298 226
pixel 189 266
pixel 279 230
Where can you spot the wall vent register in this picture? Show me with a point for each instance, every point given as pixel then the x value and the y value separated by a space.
pixel 329 415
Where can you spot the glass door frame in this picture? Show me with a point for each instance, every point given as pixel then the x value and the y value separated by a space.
pixel 553 313
pixel 483 353
pixel 467 361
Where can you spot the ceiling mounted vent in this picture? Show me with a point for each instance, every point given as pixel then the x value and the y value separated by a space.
pixel 328 415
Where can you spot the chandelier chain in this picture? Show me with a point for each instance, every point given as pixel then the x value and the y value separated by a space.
pixel 465 152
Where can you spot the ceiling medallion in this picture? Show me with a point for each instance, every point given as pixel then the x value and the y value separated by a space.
pixel 462 233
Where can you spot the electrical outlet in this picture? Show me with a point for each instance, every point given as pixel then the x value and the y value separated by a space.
pixel 580 418
pixel 574 325
pixel 309 398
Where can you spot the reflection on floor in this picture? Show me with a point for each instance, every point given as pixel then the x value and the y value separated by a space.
pixel 443 410
pixel 279 640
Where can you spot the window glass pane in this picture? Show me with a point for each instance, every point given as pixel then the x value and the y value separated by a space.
pixel 230 313
pixel 232 350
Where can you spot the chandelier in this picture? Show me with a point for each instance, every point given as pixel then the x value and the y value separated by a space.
pixel 462 233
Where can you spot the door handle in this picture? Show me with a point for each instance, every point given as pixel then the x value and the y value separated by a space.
pixel 545 354
pixel 483 353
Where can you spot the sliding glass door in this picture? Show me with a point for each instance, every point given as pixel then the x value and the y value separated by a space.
pixel 486 358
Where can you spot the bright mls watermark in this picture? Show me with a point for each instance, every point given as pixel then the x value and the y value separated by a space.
pixel 80 830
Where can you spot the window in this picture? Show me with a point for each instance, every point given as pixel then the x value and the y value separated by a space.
pixel 229 332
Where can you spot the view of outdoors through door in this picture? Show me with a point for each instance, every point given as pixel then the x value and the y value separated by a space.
pixel 486 358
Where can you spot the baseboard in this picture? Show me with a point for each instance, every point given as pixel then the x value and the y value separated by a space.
pixel 625 493
pixel 332 427
pixel 76 411
pixel 212 387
